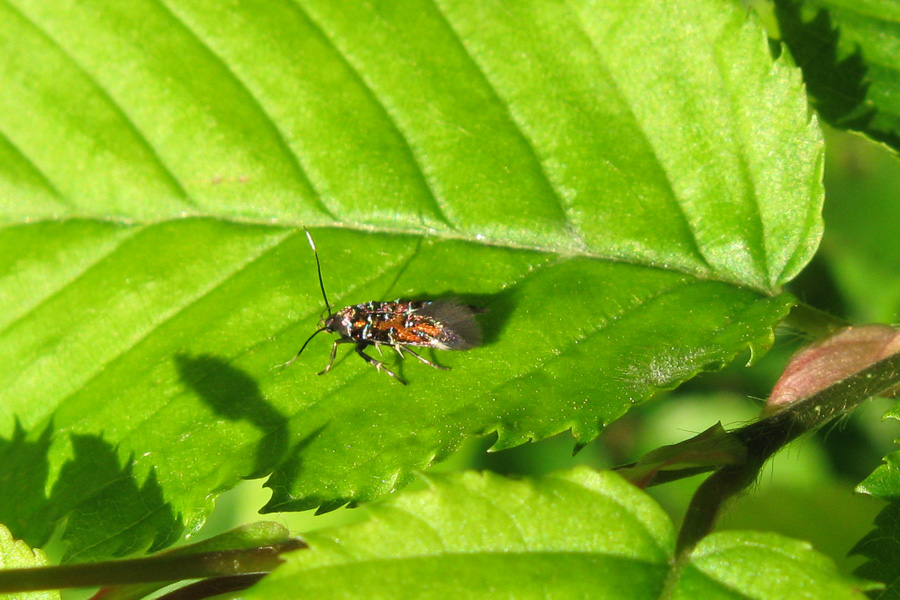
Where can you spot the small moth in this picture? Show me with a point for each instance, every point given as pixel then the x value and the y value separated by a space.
pixel 440 324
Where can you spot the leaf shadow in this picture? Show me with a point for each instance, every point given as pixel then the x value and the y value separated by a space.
pixel 235 395
pixel 24 467
pixel 94 490
pixel 281 481
pixel 838 85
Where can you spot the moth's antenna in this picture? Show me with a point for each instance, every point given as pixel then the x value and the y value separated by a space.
pixel 312 244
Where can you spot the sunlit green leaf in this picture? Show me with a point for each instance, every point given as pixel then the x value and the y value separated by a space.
pixel 623 186
pixel 15 554
pixel 579 534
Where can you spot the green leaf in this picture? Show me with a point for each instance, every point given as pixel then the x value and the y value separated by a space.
pixel 850 58
pixel 15 554
pixel 623 186
pixel 741 564
pixel 884 482
pixel 576 534
pixel 882 545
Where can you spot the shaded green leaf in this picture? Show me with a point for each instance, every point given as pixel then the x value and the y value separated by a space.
pixel 850 56
pixel 881 546
pixel 570 535
pixel 884 482
pixel 625 211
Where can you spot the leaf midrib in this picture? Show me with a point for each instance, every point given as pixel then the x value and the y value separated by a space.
pixel 442 235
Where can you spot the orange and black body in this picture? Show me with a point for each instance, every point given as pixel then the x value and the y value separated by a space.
pixel 439 324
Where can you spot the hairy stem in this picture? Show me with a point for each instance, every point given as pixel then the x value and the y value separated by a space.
pixel 765 437
pixel 164 567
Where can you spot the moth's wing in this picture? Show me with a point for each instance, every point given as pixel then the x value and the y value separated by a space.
pixel 461 330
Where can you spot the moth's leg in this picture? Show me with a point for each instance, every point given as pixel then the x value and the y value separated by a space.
pixel 302 348
pixel 376 363
pixel 426 361
pixel 334 352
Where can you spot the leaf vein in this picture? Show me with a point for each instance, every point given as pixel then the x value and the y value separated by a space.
pixel 43 301
pixel 440 208
pixel 696 247
pixel 281 140
pixel 168 316
pixel 117 108
pixel 38 172
pixel 565 209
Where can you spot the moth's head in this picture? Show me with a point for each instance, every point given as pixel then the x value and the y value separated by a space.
pixel 339 322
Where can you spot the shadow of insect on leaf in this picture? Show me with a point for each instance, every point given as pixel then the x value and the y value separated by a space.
pixel 235 395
